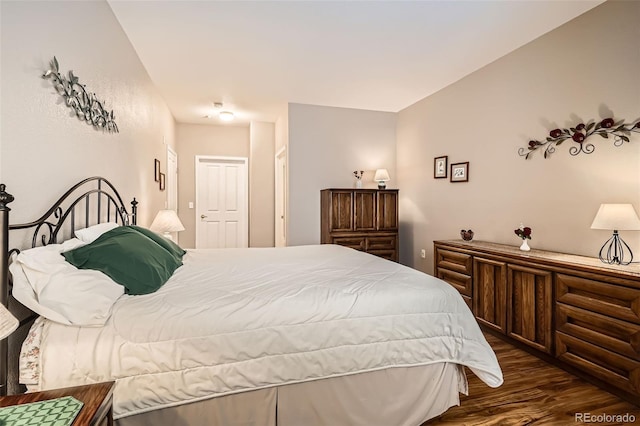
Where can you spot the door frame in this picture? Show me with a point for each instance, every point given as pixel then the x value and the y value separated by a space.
pixel 172 186
pixel 171 152
pixel 280 190
pixel 221 159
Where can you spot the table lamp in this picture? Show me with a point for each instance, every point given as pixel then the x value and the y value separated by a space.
pixel 381 176
pixel 616 217
pixel 166 222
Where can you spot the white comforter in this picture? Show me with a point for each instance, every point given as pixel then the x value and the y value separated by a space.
pixel 241 319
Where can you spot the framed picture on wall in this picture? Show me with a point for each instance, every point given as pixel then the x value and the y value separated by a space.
pixel 161 181
pixel 459 172
pixel 440 167
pixel 156 169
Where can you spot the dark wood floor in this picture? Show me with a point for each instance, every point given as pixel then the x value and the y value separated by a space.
pixel 534 393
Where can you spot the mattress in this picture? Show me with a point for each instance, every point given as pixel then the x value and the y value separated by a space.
pixel 238 320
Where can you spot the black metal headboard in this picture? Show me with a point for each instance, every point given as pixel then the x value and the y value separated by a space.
pixel 89 202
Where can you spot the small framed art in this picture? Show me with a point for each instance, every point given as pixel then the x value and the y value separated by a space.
pixel 156 169
pixel 161 181
pixel 459 172
pixel 440 167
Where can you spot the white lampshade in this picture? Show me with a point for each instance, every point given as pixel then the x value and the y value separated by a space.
pixel 8 323
pixel 167 221
pixel 618 217
pixel 382 175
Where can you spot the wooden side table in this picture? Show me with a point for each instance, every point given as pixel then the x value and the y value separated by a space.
pixel 97 398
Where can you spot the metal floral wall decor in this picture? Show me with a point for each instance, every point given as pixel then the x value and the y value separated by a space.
pixel 579 134
pixel 86 105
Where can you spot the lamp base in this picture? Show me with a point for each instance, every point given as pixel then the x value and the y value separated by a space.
pixel 382 185
pixel 167 235
pixel 615 251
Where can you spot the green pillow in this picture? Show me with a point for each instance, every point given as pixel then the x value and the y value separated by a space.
pixel 129 258
pixel 165 243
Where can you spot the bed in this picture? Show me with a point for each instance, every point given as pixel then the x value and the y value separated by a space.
pixel 270 336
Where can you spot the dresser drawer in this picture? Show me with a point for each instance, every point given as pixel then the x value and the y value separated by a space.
pixel 385 254
pixel 358 243
pixel 460 281
pixel 609 333
pixel 387 242
pixel 454 261
pixel 610 367
pixel 613 300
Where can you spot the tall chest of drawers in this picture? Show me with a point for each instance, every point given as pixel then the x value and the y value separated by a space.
pixel 363 219
pixel 575 310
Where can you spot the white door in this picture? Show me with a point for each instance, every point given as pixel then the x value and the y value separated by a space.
pixel 222 200
pixel 172 183
pixel 281 198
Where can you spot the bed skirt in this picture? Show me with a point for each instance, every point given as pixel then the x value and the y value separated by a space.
pixel 394 396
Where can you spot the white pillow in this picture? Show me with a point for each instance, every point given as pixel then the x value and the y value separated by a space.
pixel 47 284
pixel 90 234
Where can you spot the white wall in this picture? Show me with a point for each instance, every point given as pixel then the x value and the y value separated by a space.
pixel 257 143
pixel 326 145
pixel 198 139
pixel 586 69
pixel 45 150
pixel 261 184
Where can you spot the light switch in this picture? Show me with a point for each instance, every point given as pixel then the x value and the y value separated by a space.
pixel 190 204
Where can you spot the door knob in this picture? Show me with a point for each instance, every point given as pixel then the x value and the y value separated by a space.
pixel 202 216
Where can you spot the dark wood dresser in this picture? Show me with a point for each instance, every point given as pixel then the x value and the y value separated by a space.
pixel 575 311
pixel 363 219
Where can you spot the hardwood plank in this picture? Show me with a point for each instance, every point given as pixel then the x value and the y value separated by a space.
pixel 534 393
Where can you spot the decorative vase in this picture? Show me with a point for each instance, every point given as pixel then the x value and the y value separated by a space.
pixel 525 245
pixel 466 235
pixel 358 183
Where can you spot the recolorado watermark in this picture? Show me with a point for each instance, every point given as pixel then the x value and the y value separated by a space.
pixel 604 418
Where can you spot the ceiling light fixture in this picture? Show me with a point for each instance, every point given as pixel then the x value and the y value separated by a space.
pixel 226 115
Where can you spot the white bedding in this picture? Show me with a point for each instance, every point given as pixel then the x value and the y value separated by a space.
pixel 235 320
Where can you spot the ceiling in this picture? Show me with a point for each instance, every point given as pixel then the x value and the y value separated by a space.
pixel 255 57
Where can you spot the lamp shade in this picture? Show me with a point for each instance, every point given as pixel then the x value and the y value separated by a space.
pixel 619 217
pixel 382 175
pixel 8 323
pixel 167 221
